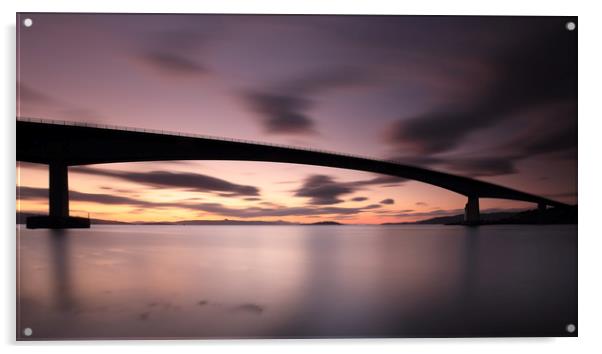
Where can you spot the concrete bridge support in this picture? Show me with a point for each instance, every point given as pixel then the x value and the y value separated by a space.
pixel 58 190
pixel 472 215
pixel 58 202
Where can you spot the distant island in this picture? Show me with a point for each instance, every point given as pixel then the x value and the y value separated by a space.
pixel 22 217
pixel 325 223
pixel 549 216
pixel 233 222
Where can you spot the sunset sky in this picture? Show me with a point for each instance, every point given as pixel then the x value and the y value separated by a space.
pixel 492 98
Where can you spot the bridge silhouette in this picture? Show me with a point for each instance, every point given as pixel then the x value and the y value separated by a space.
pixel 60 144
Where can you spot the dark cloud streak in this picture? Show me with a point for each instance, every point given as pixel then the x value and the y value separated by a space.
pixel 285 108
pixel 537 71
pixel 189 181
pixel 172 64
pixel 32 193
pixel 174 53
pixel 359 199
pixel 282 114
pixel 324 190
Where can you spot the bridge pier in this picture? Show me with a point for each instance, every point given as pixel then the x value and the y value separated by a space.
pixel 472 215
pixel 58 202
pixel 58 190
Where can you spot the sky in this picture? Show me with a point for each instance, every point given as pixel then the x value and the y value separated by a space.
pixel 491 98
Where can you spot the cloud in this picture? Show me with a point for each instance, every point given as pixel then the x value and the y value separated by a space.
pixel 542 137
pixel 387 181
pixel 33 193
pixel 31 99
pixel 282 114
pixel 538 71
pixel 105 199
pixel 173 53
pixel 389 213
pixel 537 137
pixel 29 193
pixel 421 203
pixel 28 94
pixel 476 166
pixel 331 79
pixel 322 190
pixel 387 201
pixel 186 180
pixel 372 206
pixel 172 64
pixel 482 167
pixel 436 131
pixel 432 213
pixel 359 199
pixel 118 190
pixel 285 108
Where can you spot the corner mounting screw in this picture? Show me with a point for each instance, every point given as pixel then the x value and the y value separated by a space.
pixel 571 26
pixel 571 328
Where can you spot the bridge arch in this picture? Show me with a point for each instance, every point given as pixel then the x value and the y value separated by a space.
pixel 64 144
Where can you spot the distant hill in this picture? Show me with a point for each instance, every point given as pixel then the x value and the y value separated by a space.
pixel 215 222
pixel 534 216
pixel 550 216
pixel 456 219
pixel 21 218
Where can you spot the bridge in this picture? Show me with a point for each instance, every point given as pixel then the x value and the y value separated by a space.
pixel 60 144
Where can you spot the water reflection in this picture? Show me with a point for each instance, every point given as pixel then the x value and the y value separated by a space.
pixel 60 262
pixel 291 281
pixel 316 286
pixel 468 282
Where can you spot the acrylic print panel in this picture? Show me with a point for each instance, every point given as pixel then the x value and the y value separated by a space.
pixel 255 176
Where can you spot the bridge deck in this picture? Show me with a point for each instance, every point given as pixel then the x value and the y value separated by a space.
pixel 71 143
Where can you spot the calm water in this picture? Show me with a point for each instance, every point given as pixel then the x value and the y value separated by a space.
pixel 296 281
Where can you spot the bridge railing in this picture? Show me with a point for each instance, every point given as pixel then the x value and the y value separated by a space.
pixel 194 135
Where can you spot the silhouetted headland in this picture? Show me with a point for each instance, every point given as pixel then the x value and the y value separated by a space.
pixel 549 216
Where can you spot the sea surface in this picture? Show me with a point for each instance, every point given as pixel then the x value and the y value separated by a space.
pixel 118 282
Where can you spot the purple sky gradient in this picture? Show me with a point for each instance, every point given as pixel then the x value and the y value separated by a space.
pixel 488 97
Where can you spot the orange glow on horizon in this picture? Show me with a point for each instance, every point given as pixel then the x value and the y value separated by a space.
pixel 413 201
